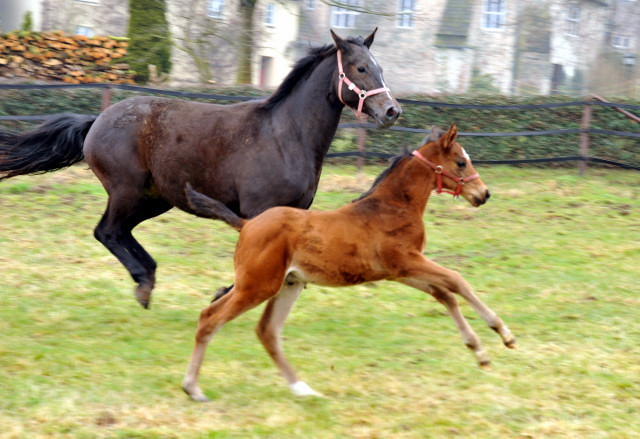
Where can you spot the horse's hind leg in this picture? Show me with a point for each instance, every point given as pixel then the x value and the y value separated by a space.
pixel 269 331
pixel 114 231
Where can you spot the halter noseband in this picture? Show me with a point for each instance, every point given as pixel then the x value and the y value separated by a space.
pixel 440 171
pixel 362 94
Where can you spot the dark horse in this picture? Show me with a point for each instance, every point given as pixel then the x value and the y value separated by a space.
pixel 250 156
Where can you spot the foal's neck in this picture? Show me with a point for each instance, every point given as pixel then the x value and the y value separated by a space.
pixel 408 186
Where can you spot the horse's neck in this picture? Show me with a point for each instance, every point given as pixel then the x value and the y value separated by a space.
pixel 313 110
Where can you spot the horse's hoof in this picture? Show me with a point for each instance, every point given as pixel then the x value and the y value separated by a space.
pixel 485 365
pixel 143 296
pixel 221 292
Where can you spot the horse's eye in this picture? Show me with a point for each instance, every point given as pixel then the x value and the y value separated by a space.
pixel 361 70
pixel 462 163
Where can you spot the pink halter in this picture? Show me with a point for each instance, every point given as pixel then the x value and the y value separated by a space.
pixel 363 94
pixel 439 170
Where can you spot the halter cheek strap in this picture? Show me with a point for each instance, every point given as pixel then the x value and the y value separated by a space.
pixel 440 171
pixel 362 94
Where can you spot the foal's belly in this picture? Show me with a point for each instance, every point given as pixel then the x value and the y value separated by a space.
pixel 336 273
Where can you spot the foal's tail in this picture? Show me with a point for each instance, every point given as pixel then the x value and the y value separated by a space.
pixel 209 208
pixel 55 144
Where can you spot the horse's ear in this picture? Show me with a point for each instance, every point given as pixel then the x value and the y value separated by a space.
pixel 369 40
pixel 340 43
pixel 449 137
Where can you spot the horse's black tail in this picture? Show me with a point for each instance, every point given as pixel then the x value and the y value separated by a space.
pixel 206 207
pixel 55 144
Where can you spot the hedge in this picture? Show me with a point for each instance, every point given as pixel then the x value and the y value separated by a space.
pixel 621 149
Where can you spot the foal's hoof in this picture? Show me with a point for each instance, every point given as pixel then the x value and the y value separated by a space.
pixel 300 388
pixel 485 365
pixel 196 396
pixel 511 344
pixel 143 296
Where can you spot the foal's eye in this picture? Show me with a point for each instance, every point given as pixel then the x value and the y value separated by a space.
pixel 462 163
pixel 361 70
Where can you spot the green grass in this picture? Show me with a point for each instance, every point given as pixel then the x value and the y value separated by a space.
pixel 555 255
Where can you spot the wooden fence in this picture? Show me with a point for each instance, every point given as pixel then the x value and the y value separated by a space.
pixel 584 131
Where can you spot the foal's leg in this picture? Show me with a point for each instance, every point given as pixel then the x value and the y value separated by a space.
pixel 124 212
pixel 269 332
pixel 212 318
pixel 441 282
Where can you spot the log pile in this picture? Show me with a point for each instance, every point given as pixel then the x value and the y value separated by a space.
pixel 55 56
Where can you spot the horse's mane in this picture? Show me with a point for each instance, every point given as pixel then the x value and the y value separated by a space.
pixel 433 135
pixel 302 70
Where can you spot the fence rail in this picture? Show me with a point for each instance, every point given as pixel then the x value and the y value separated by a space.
pixel 584 131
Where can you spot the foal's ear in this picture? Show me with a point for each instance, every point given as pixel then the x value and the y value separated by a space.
pixel 448 138
pixel 341 44
pixel 369 40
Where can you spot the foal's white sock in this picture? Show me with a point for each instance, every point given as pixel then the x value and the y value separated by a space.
pixel 300 388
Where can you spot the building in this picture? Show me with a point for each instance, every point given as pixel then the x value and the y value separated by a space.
pixel 434 46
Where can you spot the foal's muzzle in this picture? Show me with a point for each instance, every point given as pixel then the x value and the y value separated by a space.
pixel 481 200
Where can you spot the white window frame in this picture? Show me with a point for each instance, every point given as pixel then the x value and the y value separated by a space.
pixel 270 15
pixel 215 9
pixel 573 20
pixel 344 18
pixel 494 14
pixel 87 31
pixel 406 12
pixel 621 42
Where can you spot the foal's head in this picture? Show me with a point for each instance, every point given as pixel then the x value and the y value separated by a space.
pixel 362 86
pixel 454 171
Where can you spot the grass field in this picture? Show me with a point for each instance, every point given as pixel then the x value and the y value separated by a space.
pixel 555 255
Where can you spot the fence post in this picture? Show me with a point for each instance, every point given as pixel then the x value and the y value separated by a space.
pixel 362 141
pixel 106 98
pixel 584 137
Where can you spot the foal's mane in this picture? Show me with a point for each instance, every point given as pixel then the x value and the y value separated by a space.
pixel 302 70
pixel 394 162
pixel 433 135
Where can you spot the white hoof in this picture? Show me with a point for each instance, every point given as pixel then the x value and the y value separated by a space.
pixel 301 388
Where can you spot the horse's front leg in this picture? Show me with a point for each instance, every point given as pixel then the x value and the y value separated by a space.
pixel 442 283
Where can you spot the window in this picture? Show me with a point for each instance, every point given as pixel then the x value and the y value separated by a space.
pixel 573 20
pixel 88 1
pixel 270 14
pixel 405 13
pixel 84 30
pixel 310 4
pixel 343 17
pixel 216 9
pixel 493 14
pixel 621 42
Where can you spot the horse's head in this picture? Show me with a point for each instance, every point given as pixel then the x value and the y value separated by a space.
pixel 360 84
pixel 454 172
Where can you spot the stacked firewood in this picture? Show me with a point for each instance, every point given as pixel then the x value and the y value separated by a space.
pixel 55 56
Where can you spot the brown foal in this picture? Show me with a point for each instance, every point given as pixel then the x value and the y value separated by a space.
pixel 378 236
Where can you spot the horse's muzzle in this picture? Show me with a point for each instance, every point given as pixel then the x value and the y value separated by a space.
pixel 389 117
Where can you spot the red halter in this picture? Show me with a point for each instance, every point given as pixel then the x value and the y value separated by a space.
pixel 363 94
pixel 440 171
